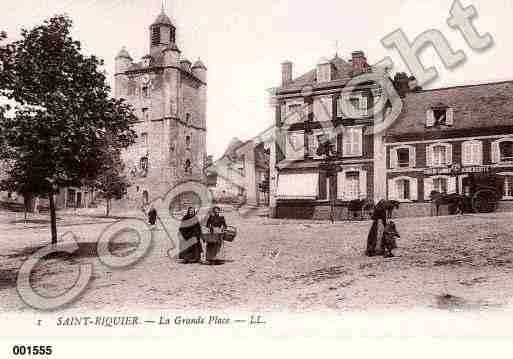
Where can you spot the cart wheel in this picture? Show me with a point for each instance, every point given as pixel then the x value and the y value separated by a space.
pixel 484 201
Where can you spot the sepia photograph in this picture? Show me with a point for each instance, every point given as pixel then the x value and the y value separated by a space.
pixel 222 172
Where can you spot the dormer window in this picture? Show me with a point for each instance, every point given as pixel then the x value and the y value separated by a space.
pixel 146 61
pixel 439 115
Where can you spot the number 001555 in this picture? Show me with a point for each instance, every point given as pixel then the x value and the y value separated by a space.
pixel 31 350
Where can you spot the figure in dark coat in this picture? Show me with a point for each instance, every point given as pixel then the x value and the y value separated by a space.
pixel 152 216
pixel 374 239
pixel 190 244
pixel 216 224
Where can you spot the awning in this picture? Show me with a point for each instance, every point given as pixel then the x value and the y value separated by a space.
pixel 298 185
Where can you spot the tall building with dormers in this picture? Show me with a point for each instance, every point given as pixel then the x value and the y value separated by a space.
pixel 168 93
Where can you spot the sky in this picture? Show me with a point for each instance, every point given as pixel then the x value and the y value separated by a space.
pixel 243 43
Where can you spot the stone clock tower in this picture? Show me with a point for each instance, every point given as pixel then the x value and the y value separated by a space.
pixel 168 93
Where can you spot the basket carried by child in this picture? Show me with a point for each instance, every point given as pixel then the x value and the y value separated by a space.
pixel 230 233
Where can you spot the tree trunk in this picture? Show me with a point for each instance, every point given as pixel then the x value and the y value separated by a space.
pixel 108 207
pixel 53 218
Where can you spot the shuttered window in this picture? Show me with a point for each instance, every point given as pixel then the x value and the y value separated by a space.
pixel 295 145
pixel 439 155
pixel 352 139
pixel 323 109
pixel 352 184
pixel 472 153
pixel 403 189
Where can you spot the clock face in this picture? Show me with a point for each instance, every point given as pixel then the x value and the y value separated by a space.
pixel 146 79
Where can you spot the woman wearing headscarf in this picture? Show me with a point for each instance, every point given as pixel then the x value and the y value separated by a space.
pixel 216 224
pixel 190 244
pixel 375 237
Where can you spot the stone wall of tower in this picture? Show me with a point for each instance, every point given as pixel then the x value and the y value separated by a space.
pixel 173 93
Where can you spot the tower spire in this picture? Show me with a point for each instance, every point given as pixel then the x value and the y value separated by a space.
pixel 163 10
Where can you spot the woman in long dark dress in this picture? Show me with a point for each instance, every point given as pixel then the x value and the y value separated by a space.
pixel 190 244
pixel 375 237
pixel 216 224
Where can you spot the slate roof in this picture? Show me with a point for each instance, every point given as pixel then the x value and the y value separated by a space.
pixel 163 19
pixel 475 106
pixel 343 71
pixel 123 53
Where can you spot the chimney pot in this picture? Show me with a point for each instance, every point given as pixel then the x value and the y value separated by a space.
pixel 286 73
pixel 359 62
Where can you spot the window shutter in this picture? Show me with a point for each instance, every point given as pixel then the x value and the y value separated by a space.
pixel 495 152
pixel 334 140
pixel 363 184
pixel 430 118
pixel 364 105
pixel 414 189
pixel 346 143
pixel 340 104
pixel 393 158
pixel 313 144
pixel 451 185
pixel 449 117
pixel 429 156
pixel 323 189
pixel 448 154
pixel 341 185
pixel 283 113
pixel 322 108
pixel 413 156
pixel 428 187
pixel 358 133
pixel 466 153
pixel 478 147
pixel 392 193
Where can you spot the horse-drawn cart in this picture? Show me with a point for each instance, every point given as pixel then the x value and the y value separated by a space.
pixel 482 193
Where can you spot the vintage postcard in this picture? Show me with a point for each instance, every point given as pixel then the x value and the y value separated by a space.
pixel 259 178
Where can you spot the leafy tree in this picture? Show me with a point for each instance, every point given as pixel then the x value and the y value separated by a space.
pixel 110 179
pixel 64 112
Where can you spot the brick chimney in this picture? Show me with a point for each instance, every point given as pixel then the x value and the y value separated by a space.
pixel 286 73
pixel 359 63
pixel 402 84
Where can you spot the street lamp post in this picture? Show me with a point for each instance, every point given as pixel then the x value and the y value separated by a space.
pixel 455 169
pixel 331 169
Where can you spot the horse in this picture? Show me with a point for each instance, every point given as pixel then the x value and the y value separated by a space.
pixel 355 207
pixel 452 199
